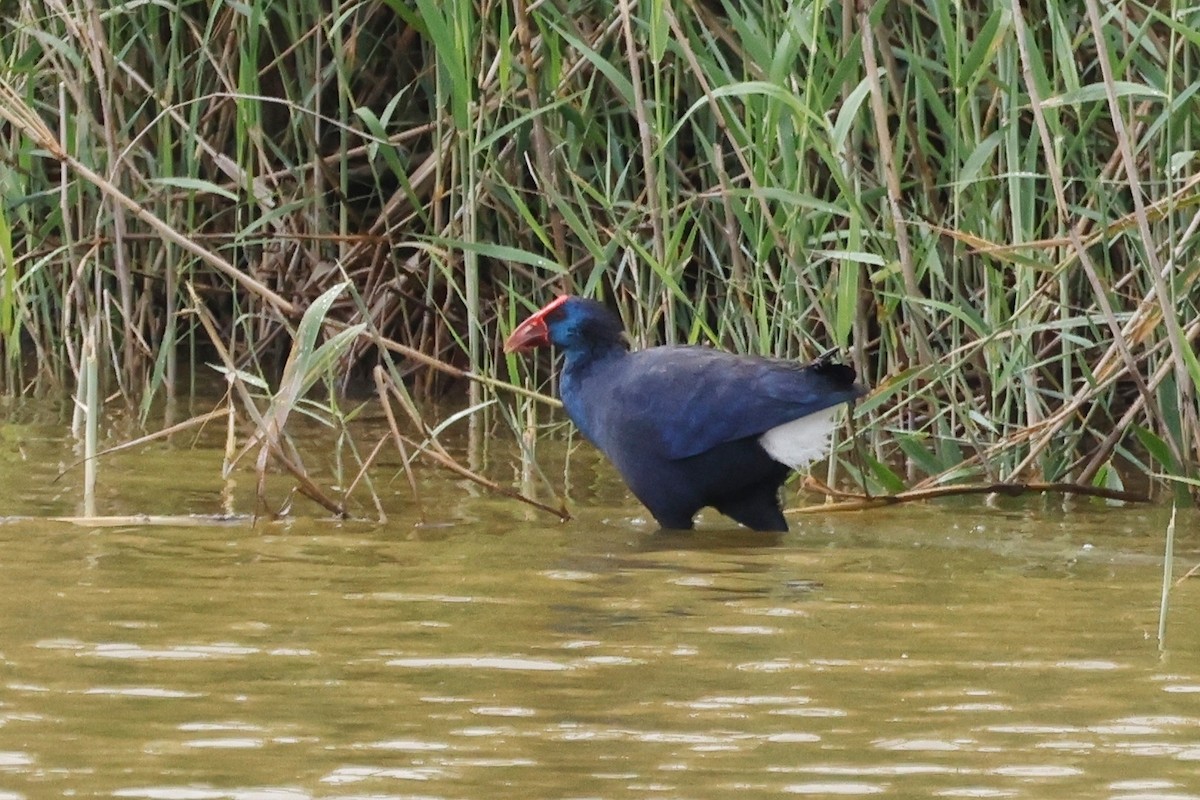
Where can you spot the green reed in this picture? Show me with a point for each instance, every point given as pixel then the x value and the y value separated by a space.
pixel 991 208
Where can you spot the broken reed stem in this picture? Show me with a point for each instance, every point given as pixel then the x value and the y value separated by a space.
pixel 433 449
pixel 164 433
pixel 1168 570
pixel 860 502
pixel 156 520
pixel 261 426
pixel 362 473
pixel 91 400
pixel 381 391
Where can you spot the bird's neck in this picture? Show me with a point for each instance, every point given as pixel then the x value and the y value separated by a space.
pixel 579 357
pixel 586 371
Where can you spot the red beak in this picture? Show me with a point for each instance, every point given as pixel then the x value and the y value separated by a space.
pixel 529 335
pixel 533 333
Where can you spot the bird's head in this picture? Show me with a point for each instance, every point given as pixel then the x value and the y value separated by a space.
pixel 568 323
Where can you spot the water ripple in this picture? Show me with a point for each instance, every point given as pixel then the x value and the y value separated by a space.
pixel 231 743
pixel 834 788
pixel 732 701
pixel 888 770
pixel 345 775
pixel 1037 771
pixel 176 653
pixel 924 745
pixel 406 745
pixel 199 793
pixel 142 692
pixel 481 662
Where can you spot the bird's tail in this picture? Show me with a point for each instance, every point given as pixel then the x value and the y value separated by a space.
pixel 841 377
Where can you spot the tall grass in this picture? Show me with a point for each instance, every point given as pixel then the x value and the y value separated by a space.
pixel 991 207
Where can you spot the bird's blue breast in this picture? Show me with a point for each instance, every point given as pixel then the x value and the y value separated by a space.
pixel 586 389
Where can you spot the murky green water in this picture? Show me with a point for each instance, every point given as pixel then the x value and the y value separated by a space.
pixel 953 650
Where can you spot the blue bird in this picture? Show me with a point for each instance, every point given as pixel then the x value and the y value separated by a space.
pixel 689 427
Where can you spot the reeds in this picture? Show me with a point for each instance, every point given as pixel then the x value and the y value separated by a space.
pixel 993 209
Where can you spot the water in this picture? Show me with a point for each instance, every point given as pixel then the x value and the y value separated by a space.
pixel 953 650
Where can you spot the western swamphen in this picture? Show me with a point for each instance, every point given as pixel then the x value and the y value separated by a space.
pixel 689 427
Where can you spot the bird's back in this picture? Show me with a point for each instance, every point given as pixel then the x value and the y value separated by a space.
pixel 684 400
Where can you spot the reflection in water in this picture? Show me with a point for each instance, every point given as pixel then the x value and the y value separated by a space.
pixel 949 651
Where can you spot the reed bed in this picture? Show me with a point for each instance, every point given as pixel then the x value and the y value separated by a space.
pixel 992 208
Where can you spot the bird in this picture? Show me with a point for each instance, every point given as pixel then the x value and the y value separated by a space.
pixel 689 426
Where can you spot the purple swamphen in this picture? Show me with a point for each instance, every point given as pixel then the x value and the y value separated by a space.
pixel 689 427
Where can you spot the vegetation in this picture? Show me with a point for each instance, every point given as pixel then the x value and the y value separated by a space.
pixel 991 207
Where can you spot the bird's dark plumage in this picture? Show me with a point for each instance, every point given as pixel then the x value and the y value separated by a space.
pixel 689 427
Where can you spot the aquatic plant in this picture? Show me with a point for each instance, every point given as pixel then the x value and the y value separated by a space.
pixel 993 210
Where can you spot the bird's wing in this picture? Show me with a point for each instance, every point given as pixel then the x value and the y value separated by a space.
pixel 691 399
